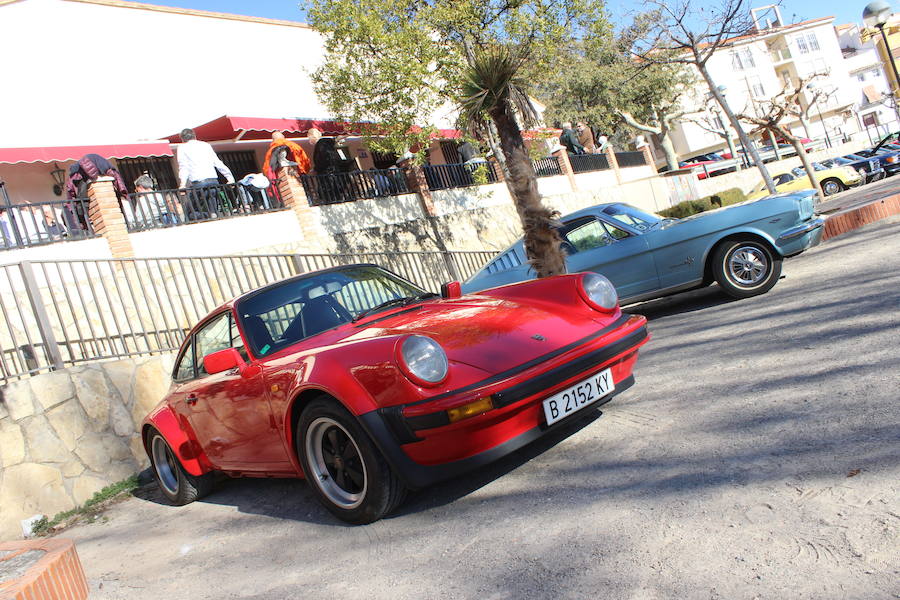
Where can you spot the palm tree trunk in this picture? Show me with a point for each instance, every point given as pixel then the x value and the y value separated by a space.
pixel 543 246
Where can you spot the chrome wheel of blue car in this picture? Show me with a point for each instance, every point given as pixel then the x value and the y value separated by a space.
pixel 745 268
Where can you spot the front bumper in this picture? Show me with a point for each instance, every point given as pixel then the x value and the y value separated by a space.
pixel 426 450
pixel 802 237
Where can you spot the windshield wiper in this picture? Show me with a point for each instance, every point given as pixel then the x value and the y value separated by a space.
pixel 405 300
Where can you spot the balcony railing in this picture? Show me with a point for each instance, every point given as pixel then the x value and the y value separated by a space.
pixel 630 159
pixel 585 163
pixel 547 167
pixel 41 223
pixel 335 188
pixel 443 177
pixel 168 208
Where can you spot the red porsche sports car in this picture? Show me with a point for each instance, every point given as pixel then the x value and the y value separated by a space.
pixel 367 385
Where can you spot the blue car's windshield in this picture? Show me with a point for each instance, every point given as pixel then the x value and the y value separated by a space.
pixel 632 217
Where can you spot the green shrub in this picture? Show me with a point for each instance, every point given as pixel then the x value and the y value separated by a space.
pixel 692 207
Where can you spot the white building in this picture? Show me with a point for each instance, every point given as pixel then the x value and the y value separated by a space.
pixel 875 109
pixel 758 66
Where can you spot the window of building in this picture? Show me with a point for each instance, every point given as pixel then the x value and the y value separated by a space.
pixel 861 76
pixel 807 43
pixel 742 59
pixel 240 162
pixel 754 83
pixel 875 73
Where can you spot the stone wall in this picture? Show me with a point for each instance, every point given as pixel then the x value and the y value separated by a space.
pixel 67 434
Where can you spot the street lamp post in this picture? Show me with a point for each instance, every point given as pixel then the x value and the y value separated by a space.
pixel 876 14
pixel 811 87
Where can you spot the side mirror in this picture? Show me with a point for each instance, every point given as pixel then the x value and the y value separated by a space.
pixel 223 360
pixel 451 290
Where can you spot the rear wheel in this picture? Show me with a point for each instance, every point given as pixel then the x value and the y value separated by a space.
pixel 343 466
pixel 832 186
pixel 176 484
pixel 745 268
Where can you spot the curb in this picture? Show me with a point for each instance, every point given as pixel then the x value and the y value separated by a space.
pixel 854 218
pixel 56 575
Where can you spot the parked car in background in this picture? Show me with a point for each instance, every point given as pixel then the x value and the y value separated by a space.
pixel 647 256
pixel 832 180
pixel 709 165
pixel 889 159
pixel 367 385
pixel 868 168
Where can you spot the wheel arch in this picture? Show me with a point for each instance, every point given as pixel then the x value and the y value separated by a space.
pixel 755 236
pixel 179 437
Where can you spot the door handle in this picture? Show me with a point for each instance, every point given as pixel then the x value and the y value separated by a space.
pixel 192 399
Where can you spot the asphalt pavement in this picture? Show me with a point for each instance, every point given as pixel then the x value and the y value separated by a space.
pixel 858 196
pixel 757 456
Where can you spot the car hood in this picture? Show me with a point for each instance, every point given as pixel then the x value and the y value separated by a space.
pixel 489 333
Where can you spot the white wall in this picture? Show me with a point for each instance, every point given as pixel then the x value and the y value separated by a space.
pixel 215 238
pixel 142 73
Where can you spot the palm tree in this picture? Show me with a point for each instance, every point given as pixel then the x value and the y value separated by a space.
pixel 492 89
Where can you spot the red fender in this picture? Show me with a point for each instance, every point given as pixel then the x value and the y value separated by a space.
pixel 178 433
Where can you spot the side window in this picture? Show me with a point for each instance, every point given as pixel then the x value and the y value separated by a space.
pixel 215 336
pixel 615 232
pixel 185 367
pixel 236 342
pixel 586 235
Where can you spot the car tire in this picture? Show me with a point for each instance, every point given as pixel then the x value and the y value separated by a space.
pixel 176 484
pixel 344 468
pixel 745 268
pixel 832 186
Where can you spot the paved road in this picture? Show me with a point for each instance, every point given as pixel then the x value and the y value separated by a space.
pixel 861 195
pixel 758 456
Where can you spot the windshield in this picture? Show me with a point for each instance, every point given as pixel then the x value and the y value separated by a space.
pixel 632 217
pixel 295 309
pixel 840 161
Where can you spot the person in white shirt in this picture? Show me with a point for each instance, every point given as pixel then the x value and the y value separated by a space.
pixel 197 167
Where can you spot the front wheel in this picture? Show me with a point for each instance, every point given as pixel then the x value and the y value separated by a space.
pixel 176 484
pixel 345 469
pixel 745 268
pixel 832 186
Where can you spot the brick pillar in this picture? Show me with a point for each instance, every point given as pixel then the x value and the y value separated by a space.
pixel 294 197
pixel 613 162
pixel 107 218
pixel 563 157
pixel 648 158
pixel 417 184
pixel 498 169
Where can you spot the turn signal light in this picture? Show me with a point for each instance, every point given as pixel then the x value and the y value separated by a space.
pixel 472 409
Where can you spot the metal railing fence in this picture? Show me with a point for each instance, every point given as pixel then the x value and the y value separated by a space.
pixel 547 167
pixel 630 159
pixel 585 163
pixel 335 188
pixel 40 223
pixel 55 314
pixel 167 208
pixel 449 176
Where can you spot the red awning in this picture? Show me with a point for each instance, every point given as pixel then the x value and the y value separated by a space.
pixel 45 154
pixel 260 128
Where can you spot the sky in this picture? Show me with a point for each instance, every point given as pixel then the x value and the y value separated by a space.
pixel 791 10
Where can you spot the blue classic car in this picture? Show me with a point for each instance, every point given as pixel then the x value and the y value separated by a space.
pixel 647 256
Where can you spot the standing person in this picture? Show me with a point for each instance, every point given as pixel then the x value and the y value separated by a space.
pixel 569 139
pixel 586 138
pixel 88 168
pixel 284 153
pixel 197 167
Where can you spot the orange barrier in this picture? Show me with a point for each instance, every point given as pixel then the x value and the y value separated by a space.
pixel 840 223
pixel 54 574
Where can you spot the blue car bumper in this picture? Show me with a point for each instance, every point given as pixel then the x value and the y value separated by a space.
pixel 802 237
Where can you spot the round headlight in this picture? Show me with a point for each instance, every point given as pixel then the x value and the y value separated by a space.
pixel 598 291
pixel 861 171
pixel 423 359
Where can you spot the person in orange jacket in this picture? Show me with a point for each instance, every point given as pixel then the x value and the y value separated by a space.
pixel 285 153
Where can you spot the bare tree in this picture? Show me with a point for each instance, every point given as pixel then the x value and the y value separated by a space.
pixel 787 105
pixel 689 32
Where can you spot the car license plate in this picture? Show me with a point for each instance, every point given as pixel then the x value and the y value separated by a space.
pixel 561 405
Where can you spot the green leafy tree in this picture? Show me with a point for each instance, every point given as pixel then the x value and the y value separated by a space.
pixel 396 63
pixel 603 85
